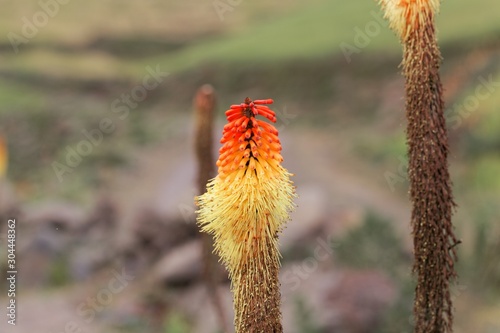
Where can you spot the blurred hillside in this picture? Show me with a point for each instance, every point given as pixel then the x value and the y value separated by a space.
pixel 95 107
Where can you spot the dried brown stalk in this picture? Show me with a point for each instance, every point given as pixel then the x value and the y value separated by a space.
pixel 430 185
pixel 204 105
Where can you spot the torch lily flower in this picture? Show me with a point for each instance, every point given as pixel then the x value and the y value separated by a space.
pixel 245 208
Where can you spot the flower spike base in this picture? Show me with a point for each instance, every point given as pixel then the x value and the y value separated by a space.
pixel 430 185
pixel 245 209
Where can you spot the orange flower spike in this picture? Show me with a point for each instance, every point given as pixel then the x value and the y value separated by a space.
pixel 245 207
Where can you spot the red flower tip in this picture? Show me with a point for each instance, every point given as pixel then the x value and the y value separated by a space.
pixel 246 138
pixel 263 101
pixel 250 109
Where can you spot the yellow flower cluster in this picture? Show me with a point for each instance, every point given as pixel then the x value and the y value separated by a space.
pixel 248 203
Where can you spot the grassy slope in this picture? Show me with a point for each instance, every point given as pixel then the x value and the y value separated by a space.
pixel 320 29
pixel 306 32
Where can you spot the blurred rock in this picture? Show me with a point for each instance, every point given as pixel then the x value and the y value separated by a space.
pixel 103 219
pixel 308 220
pixel 349 301
pixel 58 215
pixel 346 219
pixel 196 303
pixel 175 195
pixel 95 244
pixel 48 231
pixel 154 235
pixel 60 241
pixel 360 299
pixel 180 266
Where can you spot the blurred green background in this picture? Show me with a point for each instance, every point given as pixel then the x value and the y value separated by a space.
pixel 332 69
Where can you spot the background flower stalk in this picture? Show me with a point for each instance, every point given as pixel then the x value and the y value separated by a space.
pixel 427 140
pixel 245 208
pixel 204 104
